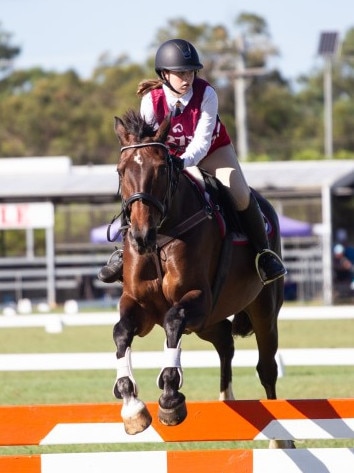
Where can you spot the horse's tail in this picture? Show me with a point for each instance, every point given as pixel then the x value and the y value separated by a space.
pixel 241 325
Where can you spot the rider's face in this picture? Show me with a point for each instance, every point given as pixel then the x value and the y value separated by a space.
pixel 181 81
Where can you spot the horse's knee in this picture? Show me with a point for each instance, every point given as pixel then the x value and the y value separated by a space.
pixel 123 334
pixel 188 314
pixel 174 325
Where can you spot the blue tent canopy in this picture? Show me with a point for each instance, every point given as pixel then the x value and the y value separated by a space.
pixel 99 234
pixel 290 227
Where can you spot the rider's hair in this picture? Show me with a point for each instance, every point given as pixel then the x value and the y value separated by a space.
pixel 147 85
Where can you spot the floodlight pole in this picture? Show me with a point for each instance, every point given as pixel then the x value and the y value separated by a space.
pixel 328 48
pixel 241 75
pixel 328 124
pixel 240 96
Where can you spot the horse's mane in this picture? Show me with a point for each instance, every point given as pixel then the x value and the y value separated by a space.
pixel 135 125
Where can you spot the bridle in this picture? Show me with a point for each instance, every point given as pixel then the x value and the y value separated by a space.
pixel 173 171
pixel 161 206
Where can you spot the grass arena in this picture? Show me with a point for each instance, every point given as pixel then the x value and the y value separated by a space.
pixel 327 447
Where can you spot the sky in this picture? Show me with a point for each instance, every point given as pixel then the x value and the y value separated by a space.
pixel 72 34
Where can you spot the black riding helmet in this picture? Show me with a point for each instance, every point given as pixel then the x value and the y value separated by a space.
pixel 176 55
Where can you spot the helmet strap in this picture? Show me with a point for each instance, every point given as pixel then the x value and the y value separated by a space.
pixel 168 83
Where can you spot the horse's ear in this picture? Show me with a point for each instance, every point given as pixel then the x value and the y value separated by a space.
pixel 162 132
pixel 120 131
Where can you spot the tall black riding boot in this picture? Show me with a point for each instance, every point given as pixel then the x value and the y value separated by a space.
pixel 268 264
pixel 113 270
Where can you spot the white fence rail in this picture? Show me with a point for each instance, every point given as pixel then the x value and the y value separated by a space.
pixel 54 323
pixel 189 359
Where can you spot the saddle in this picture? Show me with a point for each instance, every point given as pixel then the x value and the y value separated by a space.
pixel 214 194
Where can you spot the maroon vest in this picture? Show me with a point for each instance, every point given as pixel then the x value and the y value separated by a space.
pixel 183 126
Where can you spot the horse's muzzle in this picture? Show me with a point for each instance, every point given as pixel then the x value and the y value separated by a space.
pixel 143 241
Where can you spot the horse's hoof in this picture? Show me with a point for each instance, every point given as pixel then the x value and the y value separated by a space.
pixel 173 416
pixel 138 422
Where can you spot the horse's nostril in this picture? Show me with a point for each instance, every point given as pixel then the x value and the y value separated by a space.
pixel 145 242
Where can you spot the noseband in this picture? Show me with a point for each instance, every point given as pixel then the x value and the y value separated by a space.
pixel 163 206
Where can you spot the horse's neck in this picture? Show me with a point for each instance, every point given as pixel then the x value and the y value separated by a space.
pixel 184 203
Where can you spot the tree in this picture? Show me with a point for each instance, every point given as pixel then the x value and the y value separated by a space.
pixel 259 44
pixel 44 113
pixel 49 114
pixel 7 51
pixel 309 131
pixel 343 110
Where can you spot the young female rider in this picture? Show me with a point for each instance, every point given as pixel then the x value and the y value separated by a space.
pixel 200 139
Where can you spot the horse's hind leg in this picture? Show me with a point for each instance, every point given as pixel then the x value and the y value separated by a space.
pixel 264 313
pixel 220 335
pixel 134 413
pixel 266 332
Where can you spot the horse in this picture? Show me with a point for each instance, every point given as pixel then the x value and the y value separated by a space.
pixel 182 272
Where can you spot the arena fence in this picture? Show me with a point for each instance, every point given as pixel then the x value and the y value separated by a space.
pixel 206 422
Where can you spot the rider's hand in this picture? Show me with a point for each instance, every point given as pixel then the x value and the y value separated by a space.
pixel 178 163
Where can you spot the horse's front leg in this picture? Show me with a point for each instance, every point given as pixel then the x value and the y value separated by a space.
pixel 187 314
pixel 172 405
pixel 134 413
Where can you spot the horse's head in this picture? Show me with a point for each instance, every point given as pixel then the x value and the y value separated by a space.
pixel 146 173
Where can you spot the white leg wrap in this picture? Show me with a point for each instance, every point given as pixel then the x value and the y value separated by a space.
pixel 124 368
pixel 172 359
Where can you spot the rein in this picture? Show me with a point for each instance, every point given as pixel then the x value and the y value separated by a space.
pixel 144 145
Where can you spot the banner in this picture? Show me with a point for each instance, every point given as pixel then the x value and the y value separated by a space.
pixel 26 215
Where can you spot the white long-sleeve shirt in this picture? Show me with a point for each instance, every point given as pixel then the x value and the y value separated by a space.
pixel 199 146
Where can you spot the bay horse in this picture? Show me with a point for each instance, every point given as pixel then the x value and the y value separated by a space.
pixel 182 273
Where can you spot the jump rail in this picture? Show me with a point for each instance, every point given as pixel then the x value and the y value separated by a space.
pixel 206 421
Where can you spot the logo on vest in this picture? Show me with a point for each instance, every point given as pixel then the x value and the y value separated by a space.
pixel 177 128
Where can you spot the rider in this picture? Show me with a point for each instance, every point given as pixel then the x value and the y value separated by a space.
pixel 198 137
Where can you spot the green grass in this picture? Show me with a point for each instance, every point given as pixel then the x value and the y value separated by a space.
pixel 292 334
pixel 95 386
pixel 50 387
